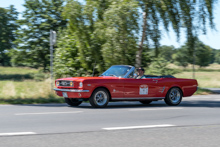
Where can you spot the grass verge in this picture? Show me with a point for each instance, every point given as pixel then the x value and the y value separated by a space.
pixel 31 101
pixel 205 79
pixel 202 91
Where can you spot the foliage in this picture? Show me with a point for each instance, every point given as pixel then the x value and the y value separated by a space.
pixel 181 57
pixel 190 15
pixel 121 27
pixel 33 37
pixel 217 57
pixel 83 23
pixel 106 32
pixel 159 66
pixel 203 54
pixel 7 28
pixel 101 32
pixel 66 61
pixel 167 52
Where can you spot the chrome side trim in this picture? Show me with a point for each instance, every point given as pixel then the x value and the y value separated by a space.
pixel 139 98
pixel 70 90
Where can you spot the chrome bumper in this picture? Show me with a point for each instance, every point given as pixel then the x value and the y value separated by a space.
pixel 70 90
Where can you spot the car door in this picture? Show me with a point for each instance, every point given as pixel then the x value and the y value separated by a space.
pixel 140 88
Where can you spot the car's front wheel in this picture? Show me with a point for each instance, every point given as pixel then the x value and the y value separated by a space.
pixel 72 102
pixel 99 98
pixel 173 97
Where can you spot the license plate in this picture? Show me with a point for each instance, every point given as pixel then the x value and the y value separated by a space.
pixel 65 94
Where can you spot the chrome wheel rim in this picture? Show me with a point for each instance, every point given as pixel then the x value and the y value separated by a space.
pixel 101 98
pixel 175 95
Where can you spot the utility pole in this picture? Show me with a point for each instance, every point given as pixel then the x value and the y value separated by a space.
pixel 52 43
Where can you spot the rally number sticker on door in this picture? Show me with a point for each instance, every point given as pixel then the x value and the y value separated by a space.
pixel 143 90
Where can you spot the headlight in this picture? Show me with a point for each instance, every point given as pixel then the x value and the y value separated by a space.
pixel 71 84
pixel 80 84
pixel 57 83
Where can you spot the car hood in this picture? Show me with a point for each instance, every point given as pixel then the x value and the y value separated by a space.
pixel 88 78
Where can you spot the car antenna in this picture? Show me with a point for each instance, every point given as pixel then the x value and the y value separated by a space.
pixel 94 69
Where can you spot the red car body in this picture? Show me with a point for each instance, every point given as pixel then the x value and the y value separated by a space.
pixel 125 89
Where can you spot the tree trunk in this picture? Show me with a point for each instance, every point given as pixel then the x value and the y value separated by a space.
pixel 140 48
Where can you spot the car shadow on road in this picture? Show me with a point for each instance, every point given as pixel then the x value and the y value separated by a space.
pixel 200 103
pixel 125 105
pixel 122 105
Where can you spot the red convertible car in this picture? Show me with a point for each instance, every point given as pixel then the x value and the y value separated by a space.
pixel 118 84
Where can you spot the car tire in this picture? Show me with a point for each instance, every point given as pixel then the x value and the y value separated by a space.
pixel 99 98
pixel 72 102
pixel 173 97
pixel 146 102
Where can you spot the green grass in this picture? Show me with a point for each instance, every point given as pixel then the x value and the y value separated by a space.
pixel 17 70
pixel 26 92
pixel 201 91
pixel 205 79
pixel 20 85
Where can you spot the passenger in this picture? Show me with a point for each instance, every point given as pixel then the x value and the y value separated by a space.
pixel 140 74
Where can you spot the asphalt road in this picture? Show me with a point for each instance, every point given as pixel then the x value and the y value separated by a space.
pixel 195 122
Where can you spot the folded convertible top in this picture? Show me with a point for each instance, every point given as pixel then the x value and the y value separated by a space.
pixel 153 76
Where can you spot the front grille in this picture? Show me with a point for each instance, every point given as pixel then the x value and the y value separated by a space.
pixel 65 83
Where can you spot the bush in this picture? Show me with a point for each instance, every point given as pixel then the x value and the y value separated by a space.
pixel 41 76
pixel 159 67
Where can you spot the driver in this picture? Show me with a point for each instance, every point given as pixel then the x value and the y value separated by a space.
pixel 140 74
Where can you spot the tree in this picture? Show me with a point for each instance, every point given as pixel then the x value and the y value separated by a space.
pixel 108 31
pixel 181 57
pixel 8 27
pixel 33 38
pixel 166 52
pixel 217 57
pixel 66 58
pixel 190 15
pixel 84 19
pixel 121 27
pixel 159 66
pixel 203 54
pixel 105 31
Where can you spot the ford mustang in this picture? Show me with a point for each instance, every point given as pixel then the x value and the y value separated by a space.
pixel 118 84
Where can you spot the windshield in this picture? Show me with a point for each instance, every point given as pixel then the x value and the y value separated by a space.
pixel 116 71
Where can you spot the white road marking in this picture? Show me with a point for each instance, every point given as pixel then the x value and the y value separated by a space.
pixel 139 127
pixel 146 109
pixel 17 133
pixel 48 113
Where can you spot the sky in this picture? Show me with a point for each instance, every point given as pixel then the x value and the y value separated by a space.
pixel 212 38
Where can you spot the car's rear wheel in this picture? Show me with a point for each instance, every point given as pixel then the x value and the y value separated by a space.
pixel 99 98
pixel 173 97
pixel 146 102
pixel 72 102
